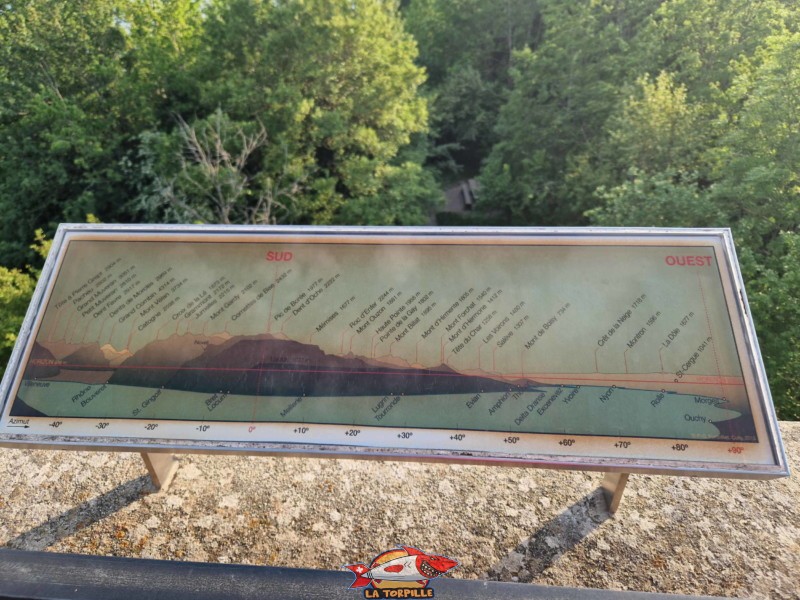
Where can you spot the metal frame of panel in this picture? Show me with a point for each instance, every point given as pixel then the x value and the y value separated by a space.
pixel 740 317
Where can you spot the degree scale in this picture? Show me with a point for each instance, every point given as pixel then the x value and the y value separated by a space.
pixel 623 351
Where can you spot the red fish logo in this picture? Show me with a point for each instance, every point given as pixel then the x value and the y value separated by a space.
pixel 403 572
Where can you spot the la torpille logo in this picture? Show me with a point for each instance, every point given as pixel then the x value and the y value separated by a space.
pixel 402 572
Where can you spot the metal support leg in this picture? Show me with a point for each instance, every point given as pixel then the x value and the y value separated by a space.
pixel 613 485
pixel 161 468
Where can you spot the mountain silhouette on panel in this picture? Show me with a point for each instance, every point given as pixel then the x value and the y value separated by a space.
pixel 41 363
pixel 266 366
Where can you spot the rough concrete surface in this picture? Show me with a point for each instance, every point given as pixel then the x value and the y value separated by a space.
pixel 683 535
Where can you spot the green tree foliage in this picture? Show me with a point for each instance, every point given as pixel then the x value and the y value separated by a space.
pixel 701 41
pixel 758 160
pixel 94 94
pixel 16 289
pixel 572 94
pixel 564 91
pixel 334 86
pixel 656 200
pixel 483 35
pixel 773 287
pixel 654 161
pixel 73 104
pixel 213 177
pixel 467 47
pixel 657 129
pixel 60 67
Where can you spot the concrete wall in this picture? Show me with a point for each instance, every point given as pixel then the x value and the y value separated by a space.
pixel 694 536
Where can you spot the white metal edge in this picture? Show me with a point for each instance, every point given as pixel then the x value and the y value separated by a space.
pixel 646 232
pixel 543 461
pixel 747 323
